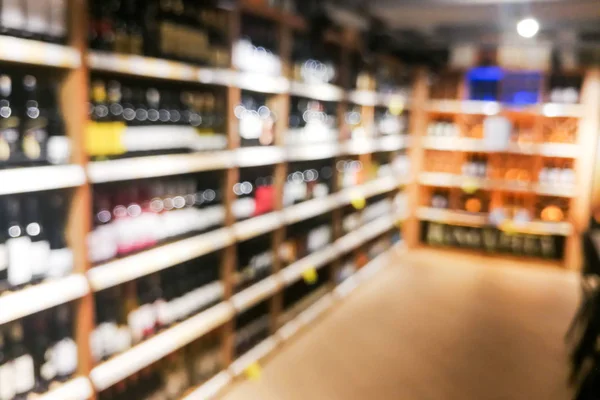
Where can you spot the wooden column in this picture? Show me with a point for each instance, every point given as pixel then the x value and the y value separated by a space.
pixel 73 99
pixel 587 141
pixel 418 129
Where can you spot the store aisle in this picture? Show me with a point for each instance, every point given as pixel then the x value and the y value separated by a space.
pixel 432 326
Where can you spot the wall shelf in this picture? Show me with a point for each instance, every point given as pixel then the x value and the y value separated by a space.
pixel 36 179
pixel 41 297
pixel 27 51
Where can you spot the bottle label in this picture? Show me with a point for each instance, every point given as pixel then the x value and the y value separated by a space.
pixel 33 143
pixel 48 370
pixel 13 14
pixel 39 256
pixel 96 344
pixel 3 258
pixel 65 357
pixel 24 374
pixel 136 322
pixel 19 269
pixel 7 382
pixel 59 150
pixel 37 16
pixel 123 339
pixel 58 19
pixel 60 263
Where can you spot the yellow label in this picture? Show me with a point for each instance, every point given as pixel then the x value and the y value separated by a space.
pixel 396 105
pixel 470 185
pixel 508 227
pixel 358 201
pixel 104 138
pixel 310 276
pixel 253 371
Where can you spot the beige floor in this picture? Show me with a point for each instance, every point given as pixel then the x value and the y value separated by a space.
pixel 432 326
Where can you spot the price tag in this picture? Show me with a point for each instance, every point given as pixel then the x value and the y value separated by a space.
pixel 508 227
pixel 358 201
pixel 310 276
pixel 253 371
pixel 470 185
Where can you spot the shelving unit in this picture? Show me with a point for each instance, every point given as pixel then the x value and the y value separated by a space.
pixel 75 63
pixel 458 147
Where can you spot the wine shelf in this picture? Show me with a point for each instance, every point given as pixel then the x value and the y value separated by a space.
pixel 492 108
pixel 150 261
pixel 310 208
pixel 42 297
pixel 559 150
pixel 481 219
pixel 140 356
pixel 307 152
pixel 157 166
pixel 323 92
pixel 392 143
pixel 257 156
pixel 157 68
pixel 316 260
pixel 261 83
pixel 256 226
pixel 75 389
pixel 210 388
pixel 442 179
pixel 215 385
pixel 358 146
pixel 363 98
pixel 35 179
pixel 26 51
pixel 254 355
pixel 256 293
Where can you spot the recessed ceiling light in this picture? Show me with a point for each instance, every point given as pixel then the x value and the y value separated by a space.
pixel 528 27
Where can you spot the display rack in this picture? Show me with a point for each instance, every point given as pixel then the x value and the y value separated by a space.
pixel 538 150
pixel 74 62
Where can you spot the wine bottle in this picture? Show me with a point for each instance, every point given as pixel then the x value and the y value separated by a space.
pixel 7 376
pixel 39 248
pixel 9 124
pixel 44 370
pixel 58 145
pixel 57 21
pixel 38 19
pixel 18 246
pixel 22 361
pixel 34 124
pixel 13 18
pixel 65 349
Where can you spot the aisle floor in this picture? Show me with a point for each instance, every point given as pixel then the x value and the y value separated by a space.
pixel 432 326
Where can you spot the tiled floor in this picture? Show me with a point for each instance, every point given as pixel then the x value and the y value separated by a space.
pixel 433 326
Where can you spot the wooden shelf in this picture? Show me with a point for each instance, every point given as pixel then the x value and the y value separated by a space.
pixel 157 166
pixel 157 68
pixel 561 150
pixel 363 98
pixel 392 143
pixel 41 297
pixel 210 388
pixel 481 219
pixel 255 354
pixel 256 226
pixel 370 189
pixel 75 389
pixel 35 179
pixel 258 156
pixel 315 260
pixel 146 353
pixel 317 91
pixel 260 83
pixel 443 179
pixel 119 271
pixel 256 293
pixel 308 152
pixel 273 14
pixel 310 208
pixel 26 51
pixel 494 107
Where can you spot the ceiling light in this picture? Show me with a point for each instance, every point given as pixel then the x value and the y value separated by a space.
pixel 528 27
